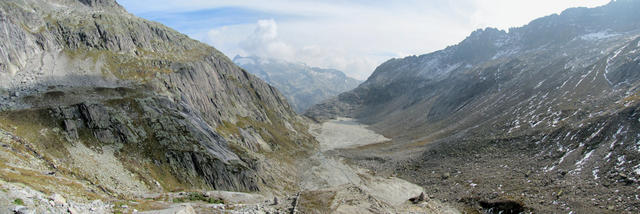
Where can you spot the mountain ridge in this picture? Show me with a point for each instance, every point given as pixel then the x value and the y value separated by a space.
pixel 303 85
pixel 558 95
pixel 86 85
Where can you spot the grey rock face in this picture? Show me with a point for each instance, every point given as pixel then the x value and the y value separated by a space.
pixel 171 107
pixel 169 136
pixel 303 86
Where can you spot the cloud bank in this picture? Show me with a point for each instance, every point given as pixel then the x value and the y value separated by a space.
pixel 354 36
pixel 264 42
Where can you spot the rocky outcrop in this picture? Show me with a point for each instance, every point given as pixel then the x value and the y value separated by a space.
pixel 161 111
pixel 169 136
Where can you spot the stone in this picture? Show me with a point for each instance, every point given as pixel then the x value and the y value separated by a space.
pixel 446 175
pixel 58 200
pixel 187 210
pixel 73 210
pixel 21 210
pixel 275 200
pixel 419 199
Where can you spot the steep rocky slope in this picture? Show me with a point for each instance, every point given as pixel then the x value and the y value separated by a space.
pixel 119 106
pixel 556 100
pixel 303 86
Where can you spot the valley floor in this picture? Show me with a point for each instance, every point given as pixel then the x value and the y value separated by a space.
pixel 483 175
pixel 328 185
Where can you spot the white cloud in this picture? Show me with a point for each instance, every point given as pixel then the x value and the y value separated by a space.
pixel 264 42
pixel 355 36
pixel 504 14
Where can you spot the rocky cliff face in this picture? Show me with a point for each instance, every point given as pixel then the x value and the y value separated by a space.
pixel 131 106
pixel 303 86
pixel 560 93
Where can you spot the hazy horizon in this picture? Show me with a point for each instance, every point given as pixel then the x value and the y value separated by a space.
pixel 352 36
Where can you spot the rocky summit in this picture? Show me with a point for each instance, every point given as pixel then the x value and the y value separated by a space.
pixel 544 116
pixel 303 86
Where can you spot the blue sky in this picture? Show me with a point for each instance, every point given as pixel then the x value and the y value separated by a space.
pixel 201 20
pixel 350 35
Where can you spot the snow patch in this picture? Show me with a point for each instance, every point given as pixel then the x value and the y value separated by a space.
pixel 586 157
pixel 548 169
pixel 598 36
pixel 434 68
pixel 606 67
pixel 539 84
pixel 564 83
pixel 621 161
pixel 504 53
pixel 565 156
pixel 584 76
pixel 619 130
pixel 595 134
pixel 613 144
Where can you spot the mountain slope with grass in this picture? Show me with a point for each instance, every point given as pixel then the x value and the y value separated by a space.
pixel 96 103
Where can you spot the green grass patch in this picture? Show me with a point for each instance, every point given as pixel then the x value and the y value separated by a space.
pixel 18 201
pixel 196 196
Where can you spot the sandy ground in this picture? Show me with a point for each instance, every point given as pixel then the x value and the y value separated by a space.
pixel 344 133
pixel 374 194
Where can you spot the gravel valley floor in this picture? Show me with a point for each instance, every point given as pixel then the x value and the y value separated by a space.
pixel 329 185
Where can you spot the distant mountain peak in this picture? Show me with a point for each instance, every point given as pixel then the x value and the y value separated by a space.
pixel 560 94
pixel 303 85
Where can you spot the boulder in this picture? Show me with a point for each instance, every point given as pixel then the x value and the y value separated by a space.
pixel 59 200
pixel 446 175
pixel 420 198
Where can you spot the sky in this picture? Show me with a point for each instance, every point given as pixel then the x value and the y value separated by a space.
pixel 354 36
